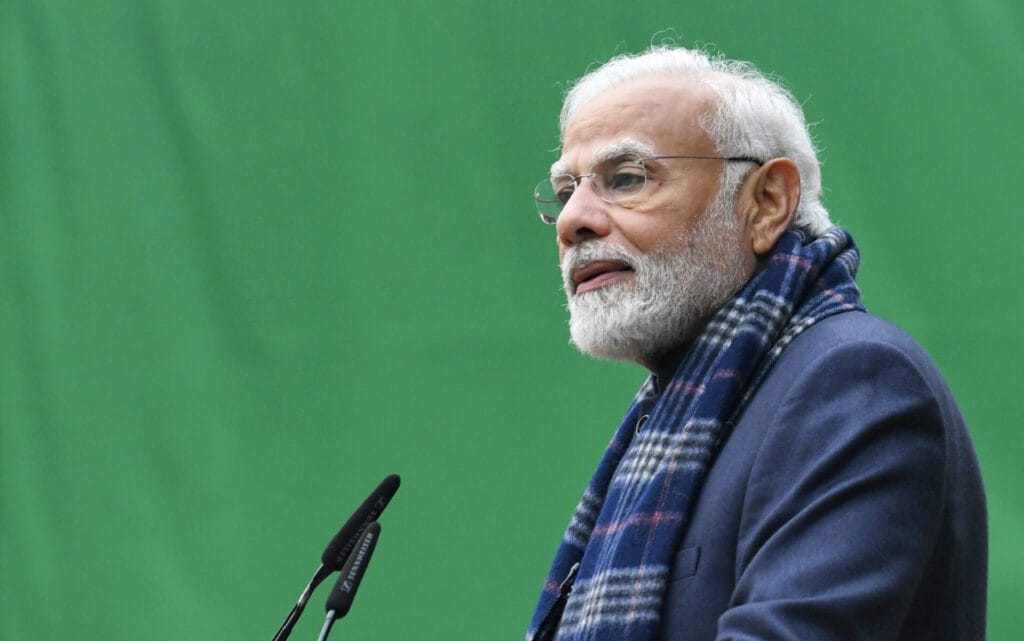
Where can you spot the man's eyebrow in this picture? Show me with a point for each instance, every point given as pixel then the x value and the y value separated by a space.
pixel 624 147
pixel 559 168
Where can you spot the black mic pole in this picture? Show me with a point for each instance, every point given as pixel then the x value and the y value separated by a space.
pixel 344 592
pixel 340 548
pixel 286 628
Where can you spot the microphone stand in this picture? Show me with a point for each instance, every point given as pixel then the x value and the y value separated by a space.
pixel 286 628
pixel 324 631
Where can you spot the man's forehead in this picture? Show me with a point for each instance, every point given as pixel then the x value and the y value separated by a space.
pixel 608 151
pixel 663 113
pixel 637 98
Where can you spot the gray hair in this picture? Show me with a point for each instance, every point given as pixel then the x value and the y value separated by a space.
pixel 756 115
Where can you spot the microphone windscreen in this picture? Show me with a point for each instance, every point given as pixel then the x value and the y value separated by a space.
pixel 341 546
pixel 344 590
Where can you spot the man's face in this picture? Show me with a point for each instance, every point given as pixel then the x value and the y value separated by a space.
pixel 640 280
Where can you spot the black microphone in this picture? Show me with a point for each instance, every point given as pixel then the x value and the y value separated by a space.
pixel 344 592
pixel 338 550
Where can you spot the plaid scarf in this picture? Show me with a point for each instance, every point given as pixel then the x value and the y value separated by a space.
pixel 634 512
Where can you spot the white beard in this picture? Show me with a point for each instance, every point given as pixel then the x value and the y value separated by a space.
pixel 676 287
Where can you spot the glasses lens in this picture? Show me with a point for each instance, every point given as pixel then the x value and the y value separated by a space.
pixel 622 179
pixel 618 180
pixel 551 194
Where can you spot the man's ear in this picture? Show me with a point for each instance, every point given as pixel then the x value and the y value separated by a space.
pixel 770 200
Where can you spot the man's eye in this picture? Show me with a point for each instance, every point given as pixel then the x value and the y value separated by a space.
pixel 626 180
pixel 564 192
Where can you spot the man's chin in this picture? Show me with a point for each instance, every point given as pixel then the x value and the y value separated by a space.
pixel 605 350
pixel 628 330
pixel 610 338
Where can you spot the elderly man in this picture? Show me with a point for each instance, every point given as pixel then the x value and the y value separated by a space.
pixel 794 468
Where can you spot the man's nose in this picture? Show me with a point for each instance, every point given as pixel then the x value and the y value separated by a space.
pixel 584 216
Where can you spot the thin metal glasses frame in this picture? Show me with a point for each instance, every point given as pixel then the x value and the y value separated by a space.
pixel 549 208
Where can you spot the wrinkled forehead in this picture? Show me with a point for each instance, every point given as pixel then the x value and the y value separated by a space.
pixel 611 151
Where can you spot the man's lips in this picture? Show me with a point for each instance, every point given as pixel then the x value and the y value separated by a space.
pixel 598 274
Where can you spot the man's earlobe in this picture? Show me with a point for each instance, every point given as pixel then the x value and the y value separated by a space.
pixel 776 194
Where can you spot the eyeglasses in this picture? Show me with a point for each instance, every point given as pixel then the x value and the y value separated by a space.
pixel 616 181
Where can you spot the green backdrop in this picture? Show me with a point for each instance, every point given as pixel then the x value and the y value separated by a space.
pixel 256 255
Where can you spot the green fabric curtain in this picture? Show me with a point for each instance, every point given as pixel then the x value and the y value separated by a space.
pixel 255 256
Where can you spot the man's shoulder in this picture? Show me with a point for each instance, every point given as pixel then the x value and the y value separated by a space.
pixel 857 328
pixel 853 365
pixel 874 344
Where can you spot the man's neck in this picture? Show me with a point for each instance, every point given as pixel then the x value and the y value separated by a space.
pixel 665 366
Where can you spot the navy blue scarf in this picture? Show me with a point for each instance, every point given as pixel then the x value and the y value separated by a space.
pixel 634 511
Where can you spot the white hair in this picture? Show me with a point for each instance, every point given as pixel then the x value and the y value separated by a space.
pixel 756 116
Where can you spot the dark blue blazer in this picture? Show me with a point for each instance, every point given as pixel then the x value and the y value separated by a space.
pixel 846 504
